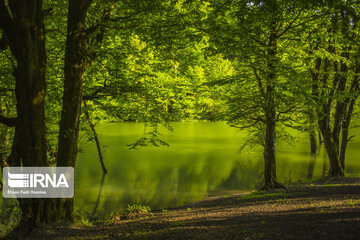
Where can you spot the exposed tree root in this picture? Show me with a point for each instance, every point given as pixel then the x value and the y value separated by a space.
pixel 273 185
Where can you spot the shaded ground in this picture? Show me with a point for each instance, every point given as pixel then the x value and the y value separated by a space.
pixel 323 210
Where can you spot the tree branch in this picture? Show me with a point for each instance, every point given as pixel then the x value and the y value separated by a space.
pixel 290 25
pixel 259 82
pixel 10 122
pixel 98 146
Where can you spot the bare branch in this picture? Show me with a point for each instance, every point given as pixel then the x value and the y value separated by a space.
pixel 348 140
pixel 290 25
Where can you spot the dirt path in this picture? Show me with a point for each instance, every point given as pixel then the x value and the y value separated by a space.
pixel 322 210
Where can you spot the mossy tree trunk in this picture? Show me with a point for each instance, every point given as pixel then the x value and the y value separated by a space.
pixel 79 55
pixel 22 25
pixel 269 102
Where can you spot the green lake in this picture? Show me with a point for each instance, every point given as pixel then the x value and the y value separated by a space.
pixel 203 160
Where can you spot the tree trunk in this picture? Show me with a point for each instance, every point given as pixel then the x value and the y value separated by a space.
pixel 78 57
pixel 331 149
pixel 75 67
pixel 3 141
pixel 25 31
pixel 269 157
pixel 345 135
pixel 313 151
pixel 323 116
pixel 340 105
pixel 350 102
pixel 269 105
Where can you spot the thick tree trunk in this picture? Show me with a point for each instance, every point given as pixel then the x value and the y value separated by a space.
pixel 25 31
pixel 313 142
pixel 331 149
pixel 323 116
pixel 75 66
pixel 340 105
pixel 350 102
pixel 270 111
pixel 78 58
pixel 345 134
pixel 269 157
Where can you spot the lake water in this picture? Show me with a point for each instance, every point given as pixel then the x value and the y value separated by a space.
pixel 203 160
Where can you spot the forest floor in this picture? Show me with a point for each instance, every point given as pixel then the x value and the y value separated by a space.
pixel 326 209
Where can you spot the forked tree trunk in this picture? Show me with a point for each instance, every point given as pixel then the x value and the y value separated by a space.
pixel 340 105
pixel 331 149
pixel 323 116
pixel 350 102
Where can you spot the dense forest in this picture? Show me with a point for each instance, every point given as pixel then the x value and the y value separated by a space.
pixel 261 66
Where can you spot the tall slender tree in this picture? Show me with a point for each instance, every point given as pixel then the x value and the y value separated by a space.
pixel 259 36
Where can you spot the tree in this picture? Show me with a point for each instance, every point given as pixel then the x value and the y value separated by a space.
pixel 334 72
pixel 79 55
pixel 24 33
pixel 259 35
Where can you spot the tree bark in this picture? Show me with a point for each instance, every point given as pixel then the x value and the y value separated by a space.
pixel 350 104
pixel 323 115
pixel 313 151
pixel 345 134
pixel 3 140
pixel 331 149
pixel 332 138
pixel 269 156
pixel 341 106
pixel 269 105
pixel 78 58
pixel 24 29
pixel 75 67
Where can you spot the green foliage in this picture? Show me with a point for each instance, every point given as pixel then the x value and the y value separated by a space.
pixel 239 61
pixel 264 68
pixel 138 209
pixel 10 215
pixel 112 218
